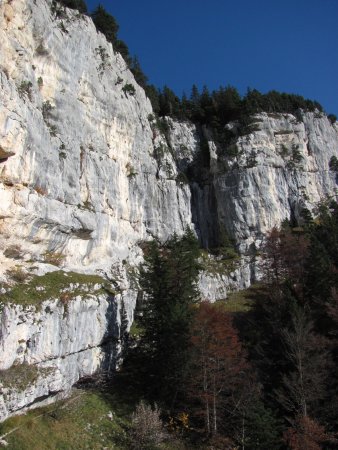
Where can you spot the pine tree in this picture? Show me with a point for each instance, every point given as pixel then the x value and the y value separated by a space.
pixel 260 429
pixel 168 278
pixel 105 23
pixel 80 5
pixel 137 71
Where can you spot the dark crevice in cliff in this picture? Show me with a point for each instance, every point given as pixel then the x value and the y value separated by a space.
pixel 204 214
pixel 203 197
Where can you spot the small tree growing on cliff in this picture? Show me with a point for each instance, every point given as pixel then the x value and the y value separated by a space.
pixel 80 5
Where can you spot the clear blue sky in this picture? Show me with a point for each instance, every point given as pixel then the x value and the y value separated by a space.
pixel 290 45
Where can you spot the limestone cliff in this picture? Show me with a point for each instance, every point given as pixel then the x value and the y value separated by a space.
pixel 80 176
pixel 87 175
pixel 279 166
pixel 45 347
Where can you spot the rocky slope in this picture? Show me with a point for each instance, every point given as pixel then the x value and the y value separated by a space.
pixel 87 175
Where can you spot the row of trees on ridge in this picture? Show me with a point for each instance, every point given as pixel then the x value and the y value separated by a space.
pixel 214 108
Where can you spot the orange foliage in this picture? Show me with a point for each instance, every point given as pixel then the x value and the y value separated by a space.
pixel 218 362
pixel 306 434
pixel 285 255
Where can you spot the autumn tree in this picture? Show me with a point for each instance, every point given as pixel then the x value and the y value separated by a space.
pixel 284 257
pixel 304 383
pixel 290 330
pixel 306 434
pixel 218 364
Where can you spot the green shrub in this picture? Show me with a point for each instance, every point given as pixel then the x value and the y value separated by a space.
pixel 226 246
pixel 58 7
pixel 58 10
pixel 130 171
pixel 332 118
pixel 103 54
pixel 333 164
pixel 162 125
pixel 284 151
pixel 129 89
pixel 63 28
pixel 25 89
pixel 46 109
pixel 105 23
pixel 46 114
pixel 41 50
pixel 296 155
pixel 19 376
pixel 251 161
pixel 52 130
pixel 181 178
pixel 232 151
pixel 52 283
pixel 159 152
pixel 54 258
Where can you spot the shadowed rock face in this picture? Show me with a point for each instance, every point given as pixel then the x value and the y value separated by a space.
pixel 86 176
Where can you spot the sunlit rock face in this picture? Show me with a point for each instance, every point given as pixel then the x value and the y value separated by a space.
pixel 87 175
pixel 78 173
pixel 82 183
pixel 282 167
pixel 86 172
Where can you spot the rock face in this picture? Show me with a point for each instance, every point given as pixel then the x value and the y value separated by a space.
pixel 48 346
pixel 282 166
pixel 87 175
pixel 83 178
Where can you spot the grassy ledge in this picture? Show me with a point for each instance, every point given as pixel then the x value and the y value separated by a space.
pixel 240 301
pixel 48 286
pixel 21 376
